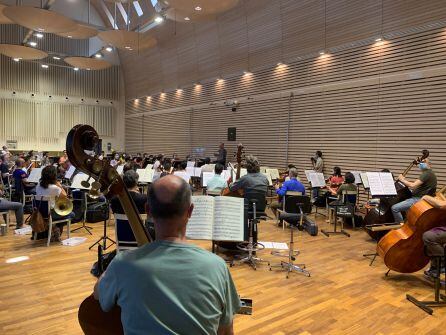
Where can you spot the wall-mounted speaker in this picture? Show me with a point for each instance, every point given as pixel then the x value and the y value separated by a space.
pixel 232 134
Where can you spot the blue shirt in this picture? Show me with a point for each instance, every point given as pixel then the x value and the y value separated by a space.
pixel 169 288
pixel 291 185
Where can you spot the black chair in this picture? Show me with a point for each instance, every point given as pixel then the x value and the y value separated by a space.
pixel 440 299
pixel 344 207
pixel 259 199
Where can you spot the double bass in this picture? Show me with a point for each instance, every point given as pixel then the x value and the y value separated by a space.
pixel 403 249
pixel 238 193
pixel 383 212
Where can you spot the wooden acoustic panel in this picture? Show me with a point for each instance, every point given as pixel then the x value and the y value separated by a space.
pixel 80 33
pixel 127 40
pixel 22 52
pixel 87 63
pixel 3 18
pixel 39 19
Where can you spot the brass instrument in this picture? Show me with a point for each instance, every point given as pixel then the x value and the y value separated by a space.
pixel 63 206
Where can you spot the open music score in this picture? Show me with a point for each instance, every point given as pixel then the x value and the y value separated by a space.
pixel 357 175
pixel 193 171
pixel 216 218
pixel 270 179
pixel 78 179
pixel 316 179
pixel 365 180
pixel 120 169
pixel 206 176
pixel 381 183
pixel 69 172
pixel 34 176
pixel 274 173
pixel 145 175
pixel 183 175
pixel 242 173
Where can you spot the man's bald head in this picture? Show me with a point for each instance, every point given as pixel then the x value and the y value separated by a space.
pixel 169 198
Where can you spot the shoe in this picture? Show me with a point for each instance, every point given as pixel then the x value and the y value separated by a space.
pixel 432 272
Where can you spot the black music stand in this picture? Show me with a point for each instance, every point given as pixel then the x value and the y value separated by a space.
pixel 103 239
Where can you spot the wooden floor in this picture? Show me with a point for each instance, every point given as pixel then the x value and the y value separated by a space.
pixel 344 295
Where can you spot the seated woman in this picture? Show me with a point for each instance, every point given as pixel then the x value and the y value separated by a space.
pixel 130 180
pixel 348 185
pixel 50 187
pixel 335 181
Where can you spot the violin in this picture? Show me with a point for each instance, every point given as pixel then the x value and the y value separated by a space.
pixel 403 249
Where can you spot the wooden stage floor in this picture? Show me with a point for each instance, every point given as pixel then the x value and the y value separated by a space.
pixel 344 295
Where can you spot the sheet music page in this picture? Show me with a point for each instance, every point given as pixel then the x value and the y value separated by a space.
pixel 267 175
pixel 365 180
pixel 307 174
pixel 190 163
pixel 226 174
pixel 387 183
pixel 228 219
pixel 274 173
pixel 183 174
pixel 375 185
pixel 243 172
pixel 206 177
pixel 197 172
pixel 145 176
pixel 70 172
pixel 190 171
pixel 200 224
pixel 35 175
pixel 78 179
pixel 120 169
pixel 317 179
pixel 357 175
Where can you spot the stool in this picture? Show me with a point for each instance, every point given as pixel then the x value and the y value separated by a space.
pixel 440 299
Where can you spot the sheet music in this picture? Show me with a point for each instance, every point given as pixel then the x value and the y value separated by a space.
pixel 275 245
pixel 206 176
pixel 242 173
pixel 316 179
pixel 357 175
pixel 228 219
pixel 190 170
pixel 267 175
pixel 70 172
pixel 200 224
pixel 226 174
pixel 182 174
pixel 387 183
pixel 375 185
pixel 307 173
pixel 145 176
pixel 263 169
pixel 190 164
pixel 34 176
pixel 365 180
pixel 78 179
pixel 197 172
pixel 120 169
pixel 274 173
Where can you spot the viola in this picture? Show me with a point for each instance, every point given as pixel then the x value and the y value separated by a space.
pixel 403 249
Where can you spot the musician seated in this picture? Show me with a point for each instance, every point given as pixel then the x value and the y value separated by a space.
pixel 217 182
pixel 21 179
pixel 290 185
pixel 170 286
pixel 435 239
pixel 50 187
pixel 17 207
pixel 115 161
pixel 130 180
pixel 426 184
pixel 4 168
pixel 162 171
pixel 335 181
pixel 158 162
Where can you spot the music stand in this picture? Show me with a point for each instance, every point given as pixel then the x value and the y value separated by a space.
pixel 103 239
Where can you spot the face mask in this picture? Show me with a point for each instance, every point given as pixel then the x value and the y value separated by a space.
pixel 422 166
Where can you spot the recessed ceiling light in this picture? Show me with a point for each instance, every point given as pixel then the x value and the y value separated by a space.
pixel 16 59
pixel 159 19
pixel 45 66
pixel 127 47
pixel 98 55
pixel 322 53
pixel 179 90
pixel 88 69
pixel 39 35
pixel 56 58
pixel 33 44
pixel 247 73
pixel 187 18
pixel 76 69
pixel 109 49
pixel 69 36
pixel 198 8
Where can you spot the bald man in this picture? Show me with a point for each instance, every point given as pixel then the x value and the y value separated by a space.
pixel 170 286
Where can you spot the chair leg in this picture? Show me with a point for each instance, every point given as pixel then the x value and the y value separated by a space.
pixel 69 230
pixel 50 228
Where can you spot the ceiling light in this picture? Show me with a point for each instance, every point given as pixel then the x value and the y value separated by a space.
pixel 98 55
pixel 33 44
pixel 322 53
pixel 198 8
pixel 127 47
pixel 378 39
pixel 186 18
pixel 247 73
pixel 109 49
pixel 88 69
pixel 39 35
pixel 76 69
pixel 159 19
pixel 45 66
pixel 138 8
pixel 16 59
pixel 56 58
pixel 69 36
pixel 179 90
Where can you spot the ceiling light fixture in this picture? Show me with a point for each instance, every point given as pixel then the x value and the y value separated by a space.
pixel 56 58
pixel 198 8
pixel 33 44
pixel 127 47
pixel 39 35
pixel 159 19
pixel 109 49
pixel 186 18
pixel 76 69
pixel 44 66
pixel 16 59
pixel 69 36
pixel 98 55
pixel 247 73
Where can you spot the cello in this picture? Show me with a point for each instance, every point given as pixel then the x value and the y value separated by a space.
pixel 403 249
pixel 382 213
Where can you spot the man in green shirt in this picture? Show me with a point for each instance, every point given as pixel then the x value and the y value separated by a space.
pixel 426 184
pixel 170 286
